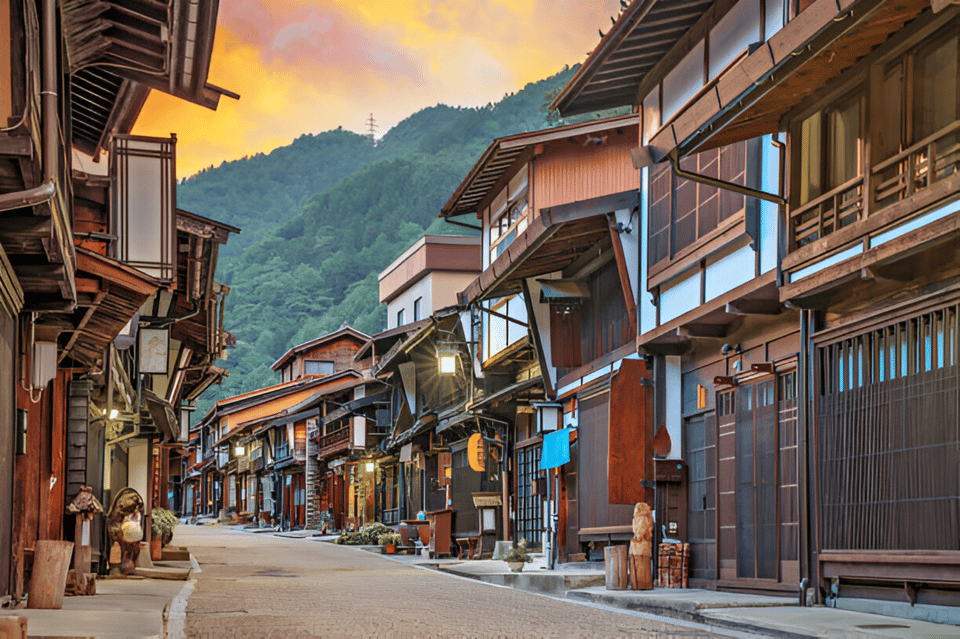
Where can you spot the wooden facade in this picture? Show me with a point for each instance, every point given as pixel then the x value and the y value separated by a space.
pixel 817 394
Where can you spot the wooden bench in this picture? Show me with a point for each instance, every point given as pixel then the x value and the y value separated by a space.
pixel 468 542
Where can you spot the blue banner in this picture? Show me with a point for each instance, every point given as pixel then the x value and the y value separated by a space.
pixel 556 449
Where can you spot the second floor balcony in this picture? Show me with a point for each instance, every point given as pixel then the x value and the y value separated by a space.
pixel 876 169
pixel 335 442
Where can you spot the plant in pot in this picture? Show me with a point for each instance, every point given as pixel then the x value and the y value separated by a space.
pixel 389 541
pixel 516 557
pixel 162 523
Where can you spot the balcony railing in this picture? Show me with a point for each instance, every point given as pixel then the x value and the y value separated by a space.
pixel 243 465
pixel 336 442
pixel 897 178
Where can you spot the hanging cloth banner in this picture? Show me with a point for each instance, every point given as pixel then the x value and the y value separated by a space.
pixel 556 449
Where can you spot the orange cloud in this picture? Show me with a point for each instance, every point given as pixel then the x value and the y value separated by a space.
pixel 305 66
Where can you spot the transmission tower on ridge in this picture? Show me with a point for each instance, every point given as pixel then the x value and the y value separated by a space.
pixel 372 129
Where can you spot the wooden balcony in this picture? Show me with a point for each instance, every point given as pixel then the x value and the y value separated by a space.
pixel 243 465
pixel 257 464
pixel 906 197
pixel 334 443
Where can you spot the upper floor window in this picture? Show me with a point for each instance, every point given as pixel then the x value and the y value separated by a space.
pixel 317 367
pixel 914 139
pixel 400 318
pixel 417 309
pixel 683 212
pixel 509 219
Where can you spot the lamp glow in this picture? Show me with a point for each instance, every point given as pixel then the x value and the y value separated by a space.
pixel 113 413
pixel 369 467
pixel 448 364
pixel 238 450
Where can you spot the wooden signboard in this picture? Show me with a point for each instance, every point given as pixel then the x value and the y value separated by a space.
pixel 630 457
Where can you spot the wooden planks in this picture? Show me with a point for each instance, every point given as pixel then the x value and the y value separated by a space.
pixel 630 428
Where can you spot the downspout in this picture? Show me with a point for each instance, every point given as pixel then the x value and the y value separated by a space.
pixel 723 184
pixel 48 101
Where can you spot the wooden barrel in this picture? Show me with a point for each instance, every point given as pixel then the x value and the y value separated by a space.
pixel 51 561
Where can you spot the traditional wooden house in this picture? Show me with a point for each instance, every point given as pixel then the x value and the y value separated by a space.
pixel 826 457
pixel 73 80
pixel 556 309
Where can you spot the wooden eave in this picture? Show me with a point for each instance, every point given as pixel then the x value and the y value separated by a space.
pixel 552 242
pixel 714 319
pixel 110 296
pixel 118 51
pixel 643 34
pixel 204 227
pixel 384 341
pixel 507 155
pixel 818 45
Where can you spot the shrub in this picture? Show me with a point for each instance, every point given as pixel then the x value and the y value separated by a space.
pixel 162 523
pixel 369 535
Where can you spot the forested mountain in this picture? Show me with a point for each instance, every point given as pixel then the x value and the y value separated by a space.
pixel 320 219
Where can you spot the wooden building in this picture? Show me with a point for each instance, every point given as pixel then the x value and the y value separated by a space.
pixel 73 79
pixel 819 424
pixel 556 304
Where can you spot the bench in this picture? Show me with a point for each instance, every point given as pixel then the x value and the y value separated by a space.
pixel 468 542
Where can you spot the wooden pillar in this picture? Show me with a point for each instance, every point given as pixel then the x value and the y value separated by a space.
pixel 49 575
pixel 615 566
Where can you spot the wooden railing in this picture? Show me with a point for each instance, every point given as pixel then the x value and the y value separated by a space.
pixel 827 213
pixel 897 178
pixel 334 442
pixel 257 464
pixel 909 171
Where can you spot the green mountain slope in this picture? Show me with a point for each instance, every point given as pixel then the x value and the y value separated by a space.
pixel 323 216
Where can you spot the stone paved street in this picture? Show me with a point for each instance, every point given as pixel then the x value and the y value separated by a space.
pixel 259 585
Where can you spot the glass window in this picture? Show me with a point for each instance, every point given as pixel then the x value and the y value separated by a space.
pixel 400 319
pixel 317 367
pixel 417 309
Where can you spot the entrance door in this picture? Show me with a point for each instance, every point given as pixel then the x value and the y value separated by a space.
pixel 759 516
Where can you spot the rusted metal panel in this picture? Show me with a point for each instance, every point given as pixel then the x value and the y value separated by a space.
pixel 567 173
pixel 630 457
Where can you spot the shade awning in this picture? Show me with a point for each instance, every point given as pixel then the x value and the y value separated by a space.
pixel 162 414
pixel 563 291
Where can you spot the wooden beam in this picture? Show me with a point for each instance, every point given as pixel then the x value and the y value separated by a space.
pixel 754 307
pixel 715 331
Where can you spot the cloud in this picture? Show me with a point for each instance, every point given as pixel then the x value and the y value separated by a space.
pixel 305 66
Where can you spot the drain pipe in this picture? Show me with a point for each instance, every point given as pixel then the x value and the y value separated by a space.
pixel 723 184
pixel 48 108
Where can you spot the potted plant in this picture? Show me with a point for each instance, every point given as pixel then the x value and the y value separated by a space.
pixel 389 542
pixel 162 523
pixel 516 557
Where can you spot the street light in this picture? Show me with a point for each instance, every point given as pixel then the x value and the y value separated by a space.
pixel 238 450
pixel 369 467
pixel 447 356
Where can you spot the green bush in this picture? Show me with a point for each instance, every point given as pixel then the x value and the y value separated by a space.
pixel 162 523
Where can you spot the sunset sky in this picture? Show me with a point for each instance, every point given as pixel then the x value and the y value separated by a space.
pixel 306 66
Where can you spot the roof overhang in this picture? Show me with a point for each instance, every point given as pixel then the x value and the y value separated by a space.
pixel 554 241
pixel 109 295
pixel 507 155
pixel 163 415
pixel 750 98
pixel 346 331
pixel 644 33
pixel 118 51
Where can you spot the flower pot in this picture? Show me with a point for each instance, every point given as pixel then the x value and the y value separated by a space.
pixel 156 549
pixel 515 566
pixel 390 549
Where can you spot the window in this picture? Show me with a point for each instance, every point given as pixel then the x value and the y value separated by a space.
pixel 400 318
pixel 832 143
pixel 317 367
pixel 682 212
pixel 509 219
pixel 417 309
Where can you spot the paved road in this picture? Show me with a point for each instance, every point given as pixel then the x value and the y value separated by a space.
pixel 259 585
